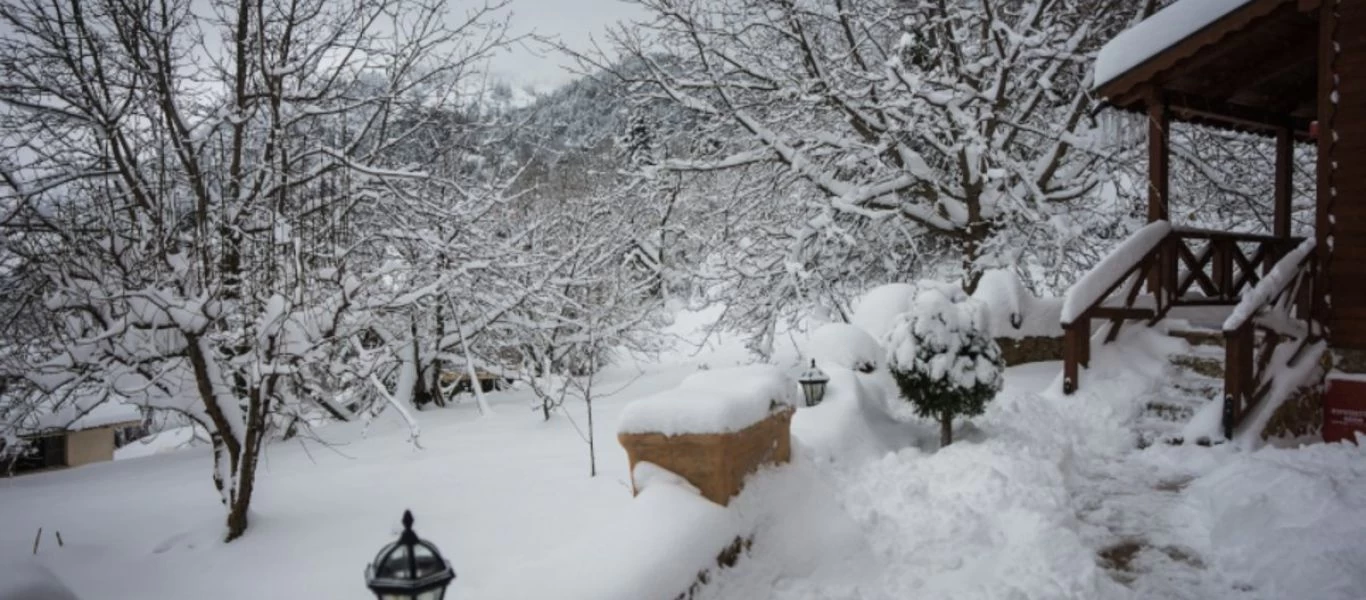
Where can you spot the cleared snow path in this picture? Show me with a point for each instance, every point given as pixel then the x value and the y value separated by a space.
pixel 1050 497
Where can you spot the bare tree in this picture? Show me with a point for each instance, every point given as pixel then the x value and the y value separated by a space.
pixel 962 117
pixel 190 186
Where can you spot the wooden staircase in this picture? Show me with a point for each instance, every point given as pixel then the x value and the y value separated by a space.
pixel 1259 288
pixel 1192 380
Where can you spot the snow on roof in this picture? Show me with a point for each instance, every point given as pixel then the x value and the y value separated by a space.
pixel 86 412
pixel 1163 30
pixel 714 401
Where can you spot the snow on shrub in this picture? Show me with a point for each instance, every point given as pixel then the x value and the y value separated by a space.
pixel 943 357
pixel 877 310
pixel 847 346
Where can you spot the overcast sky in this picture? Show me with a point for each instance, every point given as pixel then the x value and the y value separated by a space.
pixel 576 22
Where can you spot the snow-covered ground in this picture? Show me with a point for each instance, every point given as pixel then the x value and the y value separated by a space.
pixel 1044 497
pixel 1048 497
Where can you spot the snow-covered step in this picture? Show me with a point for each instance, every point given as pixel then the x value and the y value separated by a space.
pixel 1193 379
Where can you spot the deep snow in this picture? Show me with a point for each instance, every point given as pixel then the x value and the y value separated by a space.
pixel 1044 497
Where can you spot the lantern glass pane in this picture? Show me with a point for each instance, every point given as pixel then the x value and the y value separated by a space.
pixel 427 561
pixel 395 565
pixel 379 558
pixel 433 594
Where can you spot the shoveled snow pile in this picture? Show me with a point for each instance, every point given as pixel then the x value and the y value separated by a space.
pixel 991 516
pixel 30 580
pixel 852 425
pixel 712 401
pixel 1287 523
pixel 653 548
pixel 1015 312
pixel 1163 30
pixel 845 346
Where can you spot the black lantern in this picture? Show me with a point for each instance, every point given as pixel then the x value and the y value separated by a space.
pixel 813 384
pixel 409 569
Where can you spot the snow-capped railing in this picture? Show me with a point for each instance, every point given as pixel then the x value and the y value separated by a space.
pixel 1280 307
pixel 1134 261
pixel 1180 267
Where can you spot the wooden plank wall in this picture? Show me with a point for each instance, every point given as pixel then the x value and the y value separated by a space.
pixel 1347 271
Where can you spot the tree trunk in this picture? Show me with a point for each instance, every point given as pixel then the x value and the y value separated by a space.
pixel 972 250
pixel 945 429
pixel 237 512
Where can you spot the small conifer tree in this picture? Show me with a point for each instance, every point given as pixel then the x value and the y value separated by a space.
pixel 943 357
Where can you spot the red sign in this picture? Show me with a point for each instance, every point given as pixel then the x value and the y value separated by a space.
pixel 1344 409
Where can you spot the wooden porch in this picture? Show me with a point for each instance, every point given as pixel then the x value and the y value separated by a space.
pixel 1274 68
pixel 1257 290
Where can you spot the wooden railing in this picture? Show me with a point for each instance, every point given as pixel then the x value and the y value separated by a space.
pixel 1276 312
pixel 1216 267
pixel 1178 267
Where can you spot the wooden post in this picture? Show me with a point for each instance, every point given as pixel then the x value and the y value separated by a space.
pixel 1327 115
pixel 1221 259
pixel 1159 157
pixel 1076 352
pixel 1285 181
pixel 1237 368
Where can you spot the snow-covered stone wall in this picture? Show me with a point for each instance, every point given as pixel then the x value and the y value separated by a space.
pixel 1028 328
pixel 713 430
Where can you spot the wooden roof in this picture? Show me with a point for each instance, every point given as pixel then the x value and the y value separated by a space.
pixel 1253 69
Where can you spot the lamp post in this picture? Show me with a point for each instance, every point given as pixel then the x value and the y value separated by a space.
pixel 813 384
pixel 409 569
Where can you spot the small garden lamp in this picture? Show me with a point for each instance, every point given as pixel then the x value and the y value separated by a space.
pixel 409 569
pixel 813 384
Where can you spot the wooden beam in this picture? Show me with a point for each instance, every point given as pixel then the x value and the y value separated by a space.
pixel 1285 181
pixel 1123 313
pixel 1187 107
pixel 1275 53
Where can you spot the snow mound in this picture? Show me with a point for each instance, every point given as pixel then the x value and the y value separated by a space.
pixel 1013 311
pixel 879 307
pixel 714 401
pixel 1284 522
pixel 654 549
pixel 160 442
pixel 30 580
pixel 845 346
pixel 852 424
pixel 989 520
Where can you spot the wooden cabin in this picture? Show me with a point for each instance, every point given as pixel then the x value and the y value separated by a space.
pixel 1290 70
pixel 72 438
